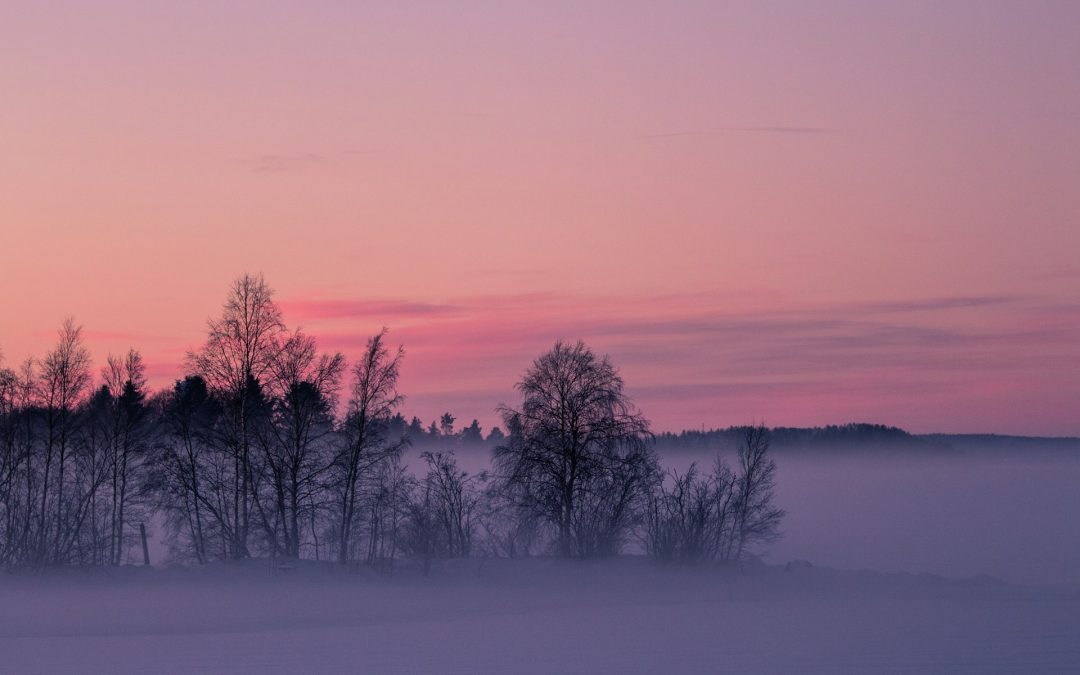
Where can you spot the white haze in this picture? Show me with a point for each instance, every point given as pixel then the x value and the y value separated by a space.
pixel 1009 515
pixel 1012 516
pixel 531 616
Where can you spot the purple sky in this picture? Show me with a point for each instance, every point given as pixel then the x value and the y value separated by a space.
pixel 799 212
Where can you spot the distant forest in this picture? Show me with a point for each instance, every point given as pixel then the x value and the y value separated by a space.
pixel 860 435
pixel 827 437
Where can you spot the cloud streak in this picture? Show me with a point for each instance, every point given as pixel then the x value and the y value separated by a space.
pixel 783 130
pixel 950 363
pixel 300 308
pixel 690 360
pixel 792 130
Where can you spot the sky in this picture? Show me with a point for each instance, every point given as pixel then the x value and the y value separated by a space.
pixel 798 213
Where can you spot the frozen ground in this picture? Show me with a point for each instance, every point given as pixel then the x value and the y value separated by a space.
pixel 1011 516
pixel 533 616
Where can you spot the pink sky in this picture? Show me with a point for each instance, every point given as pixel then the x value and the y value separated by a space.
pixel 806 214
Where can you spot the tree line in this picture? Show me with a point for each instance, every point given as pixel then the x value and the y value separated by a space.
pixel 270 447
pixel 830 437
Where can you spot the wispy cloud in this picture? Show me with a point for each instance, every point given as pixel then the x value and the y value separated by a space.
pixel 936 304
pixel 689 355
pixel 297 308
pixel 717 358
pixel 134 337
pixel 797 130
pixel 783 130
pixel 674 134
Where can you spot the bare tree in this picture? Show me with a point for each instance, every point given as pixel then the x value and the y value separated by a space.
pixel 690 516
pixel 578 451
pixel 125 381
pixel 455 497
pixel 93 453
pixel 693 517
pixel 511 527
pixel 441 512
pixel 13 463
pixel 420 536
pixel 20 425
pixel 239 352
pixel 182 470
pixel 305 385
pixel 65 377
pixel 757 516
pixel 388 491
pixel 364 441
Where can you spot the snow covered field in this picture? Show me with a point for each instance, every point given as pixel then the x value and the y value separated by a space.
pixel 960 517
pixel 533 616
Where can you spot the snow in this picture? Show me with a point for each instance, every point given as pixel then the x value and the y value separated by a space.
pixel 1001 530
pixel 533 616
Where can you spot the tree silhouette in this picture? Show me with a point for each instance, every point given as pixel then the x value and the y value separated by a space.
pixel 578 452
pixel 240 350
pixel 365 443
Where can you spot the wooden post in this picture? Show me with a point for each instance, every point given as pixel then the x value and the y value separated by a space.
pixel 145 550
